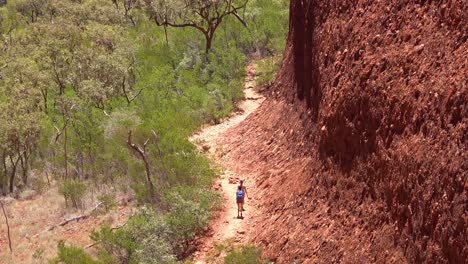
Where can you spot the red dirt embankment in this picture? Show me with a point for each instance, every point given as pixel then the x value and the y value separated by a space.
pixel 360 152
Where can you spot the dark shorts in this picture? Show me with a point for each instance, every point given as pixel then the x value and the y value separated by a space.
pixel 240 200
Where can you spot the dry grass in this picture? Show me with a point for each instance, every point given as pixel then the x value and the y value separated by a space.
pixel 30 217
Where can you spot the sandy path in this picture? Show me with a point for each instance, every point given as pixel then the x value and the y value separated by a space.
pixel 226 225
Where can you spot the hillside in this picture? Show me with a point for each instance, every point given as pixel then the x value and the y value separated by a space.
pixel 360 150
pixel 98 101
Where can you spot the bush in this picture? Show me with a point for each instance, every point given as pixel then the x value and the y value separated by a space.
pixel 72 255
pixel 143 240
pixel 27 194
pixel 38 184
pixel 266 70
pixel 73 191
pixel 185 220
pixel 245 255
pixel 152 235
pixel 116 246
pixel 108 201
pixel 38 255
pixel 155 252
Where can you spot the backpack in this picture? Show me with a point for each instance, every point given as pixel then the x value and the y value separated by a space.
pixel 240 194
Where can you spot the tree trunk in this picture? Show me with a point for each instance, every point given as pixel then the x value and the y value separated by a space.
pixel 148 174
pixel 44 93
pixel 8 226
pixel 81 170
pixel 141 152
pixel 47 176
pixel 209 42
pixel 13 173
pixel 24 169
pixel 5 173
pixel 65 151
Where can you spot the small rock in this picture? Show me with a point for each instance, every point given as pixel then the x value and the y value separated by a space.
pixel 217 187
pixel 233 180
pixel 206 148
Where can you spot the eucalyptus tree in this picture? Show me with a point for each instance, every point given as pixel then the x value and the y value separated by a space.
pixel 32 9
pixel 20 126
pixel 202 15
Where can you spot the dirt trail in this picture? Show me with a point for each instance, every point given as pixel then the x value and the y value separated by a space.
pixel 226 225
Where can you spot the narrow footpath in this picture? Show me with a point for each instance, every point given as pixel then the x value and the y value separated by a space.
pixel 227 225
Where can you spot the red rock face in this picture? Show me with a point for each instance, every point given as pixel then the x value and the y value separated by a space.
pixel 360 152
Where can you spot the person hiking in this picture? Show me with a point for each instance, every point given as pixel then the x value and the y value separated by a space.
pixel 240 201
pixel 244 189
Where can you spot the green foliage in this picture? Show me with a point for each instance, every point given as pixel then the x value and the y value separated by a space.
pixel 108 200
pixel 38 184
pixel 245 255
pixel 143 240
pixel 71 255
pixel 155 252
pixel 74 67
pixel 73 191
pixel 115 246
pixel 153 235
pixel 186 219
pixel 266 70
pixel 203 16
pixel 229 252
pixel 267 22
pixel 76 76
pixel 38 254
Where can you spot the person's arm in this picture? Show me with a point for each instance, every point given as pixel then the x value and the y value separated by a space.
pixel 245 191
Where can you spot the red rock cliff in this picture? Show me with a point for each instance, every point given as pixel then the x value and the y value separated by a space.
pixel 360 152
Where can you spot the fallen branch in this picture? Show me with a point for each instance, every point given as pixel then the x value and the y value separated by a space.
pixel 80 217
pixel 76 218
pixel 67 221
pixel 8 226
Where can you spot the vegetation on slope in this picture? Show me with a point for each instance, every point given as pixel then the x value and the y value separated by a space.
pixel 95 95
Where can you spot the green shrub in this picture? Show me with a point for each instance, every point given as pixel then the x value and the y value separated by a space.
pixel 245 255
pixel 155 251
pixel 38 184
pixel 152 234
pixel 73 191
pixel 72 255
pixel 114 246
pixel 108 201
pixel 266 70
pixel 38 254
pixel 186 219
pixel 144 239
pixel 141 190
